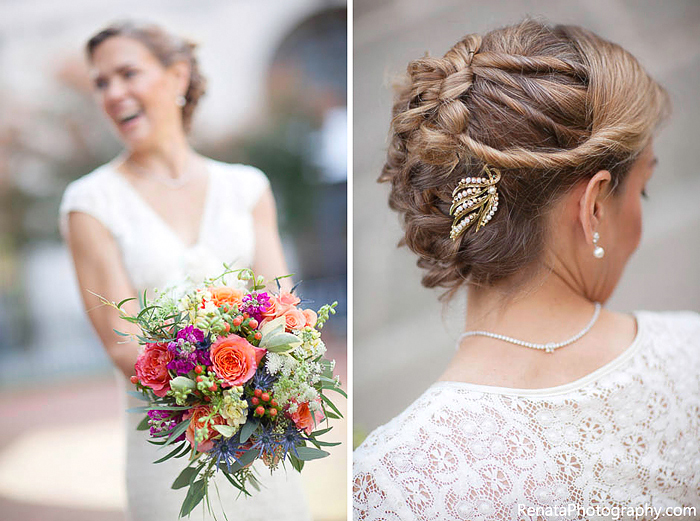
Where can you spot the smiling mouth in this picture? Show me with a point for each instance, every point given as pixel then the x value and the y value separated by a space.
pixel 130 117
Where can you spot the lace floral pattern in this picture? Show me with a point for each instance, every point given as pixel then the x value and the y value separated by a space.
pixel 624 436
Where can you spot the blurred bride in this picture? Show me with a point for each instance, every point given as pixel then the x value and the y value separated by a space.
pixel 157 215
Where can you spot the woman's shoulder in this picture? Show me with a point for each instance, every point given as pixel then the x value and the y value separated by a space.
pixel 95 180
pixel 246 181
pixel 672 328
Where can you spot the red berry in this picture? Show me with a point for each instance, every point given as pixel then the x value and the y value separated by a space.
pixel 265 397
pixel 199 378
pixel 238 321
pixel 257 335
pixel 255 401
pixel 198 369
pixel 258 392
pixel 134 379
pixel 246 315
pixel 253 323
pixel 273 412
pixel 207 398
pixel 260 410
pixel 273 403
pixel 213 388
pixel 227 327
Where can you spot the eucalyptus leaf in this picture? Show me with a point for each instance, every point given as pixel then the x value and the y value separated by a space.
pixel 186 477
pixel 297 464
pixel 281 342
pixel 175 433
pixel 246 458
pixel 194 495
pixel 146 408
pixel 248 429
pixel 170 454
pixel 139 395
pixel 272 327
pixel 180 383
pixel 310 453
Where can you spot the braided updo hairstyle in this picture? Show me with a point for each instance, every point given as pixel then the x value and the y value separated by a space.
pixel 548 107
pixel 168 48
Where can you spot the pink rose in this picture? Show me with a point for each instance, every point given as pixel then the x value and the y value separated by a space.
pixel 235 360
pixel 304 419
pixel 275 309
pixel 151 368
pixel 288 299
pixel 294 319
pixel 311 317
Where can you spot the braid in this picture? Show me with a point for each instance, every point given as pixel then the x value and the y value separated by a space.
pixel 548 107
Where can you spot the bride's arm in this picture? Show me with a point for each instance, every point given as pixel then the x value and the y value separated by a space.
pixel 99 269
pixel 269 257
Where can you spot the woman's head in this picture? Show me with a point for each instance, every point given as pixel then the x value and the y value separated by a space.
pixel 551 108
pixel 147 80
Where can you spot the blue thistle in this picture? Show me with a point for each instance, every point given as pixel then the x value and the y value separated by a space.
pixel 262 379
pixel 268 441
pixel 290 440
pixel 225 450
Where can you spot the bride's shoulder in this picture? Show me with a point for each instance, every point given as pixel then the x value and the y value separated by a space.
pixel 671 326
pixel 97 179
pixel 245 181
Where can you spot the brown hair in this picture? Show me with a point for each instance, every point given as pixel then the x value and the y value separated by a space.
pixel 548 107
pixel 165 46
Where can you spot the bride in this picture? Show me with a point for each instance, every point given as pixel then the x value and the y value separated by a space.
pixel 160 214
pixel 518 162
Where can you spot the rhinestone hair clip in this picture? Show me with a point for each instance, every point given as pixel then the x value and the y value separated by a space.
pixel 474 200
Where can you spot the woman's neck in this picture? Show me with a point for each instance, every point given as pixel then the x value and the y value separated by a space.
pixel 546 309
pixel 167 158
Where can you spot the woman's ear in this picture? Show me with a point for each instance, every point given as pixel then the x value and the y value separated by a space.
pixel 181 71
pixel 592 203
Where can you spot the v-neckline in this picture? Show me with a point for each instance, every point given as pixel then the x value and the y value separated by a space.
pixel 159 218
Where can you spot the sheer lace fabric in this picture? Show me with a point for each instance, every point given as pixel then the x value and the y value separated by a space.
pixel 155 257
pixel 626 435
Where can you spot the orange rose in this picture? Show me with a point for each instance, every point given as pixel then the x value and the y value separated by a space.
pixel 311 317
pixel 152 368
pixel 235 360
pixel 197 417
pixel 304 419
pixel 294 319
pixel 226 295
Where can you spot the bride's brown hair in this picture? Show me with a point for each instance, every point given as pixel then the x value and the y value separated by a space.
pixel 547 106
pixel 168 48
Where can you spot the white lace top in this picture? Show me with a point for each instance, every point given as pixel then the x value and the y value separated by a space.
pixel 627 434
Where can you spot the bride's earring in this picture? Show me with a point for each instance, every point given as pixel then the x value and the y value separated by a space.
pixel 598 252
pixel 180 101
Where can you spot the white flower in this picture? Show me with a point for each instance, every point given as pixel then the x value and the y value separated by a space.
pixel 233 409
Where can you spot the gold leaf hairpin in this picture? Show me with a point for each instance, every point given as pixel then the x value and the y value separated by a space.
pixel 474 200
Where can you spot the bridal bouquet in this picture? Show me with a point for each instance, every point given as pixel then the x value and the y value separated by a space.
pixel 232 375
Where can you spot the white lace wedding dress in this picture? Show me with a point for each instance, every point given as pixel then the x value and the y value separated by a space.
pixel 154 256
pixel 625 435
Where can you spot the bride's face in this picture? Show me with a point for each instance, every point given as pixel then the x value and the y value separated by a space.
pixel 136 92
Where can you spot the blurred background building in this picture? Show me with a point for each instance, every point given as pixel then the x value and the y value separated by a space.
pixel 404 338
pixel 276 99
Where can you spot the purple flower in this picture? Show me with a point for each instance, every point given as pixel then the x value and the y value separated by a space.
pixel 255 304
pixel 191 334
pixel 161 421
pixel 180 366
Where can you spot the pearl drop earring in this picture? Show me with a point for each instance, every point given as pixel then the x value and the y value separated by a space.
pixel 180 101
pixel 598 252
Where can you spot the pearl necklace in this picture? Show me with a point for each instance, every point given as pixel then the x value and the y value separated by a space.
pixel 548 348
pixel 173 184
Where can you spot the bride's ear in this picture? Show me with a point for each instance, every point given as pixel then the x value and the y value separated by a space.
pixel 592 204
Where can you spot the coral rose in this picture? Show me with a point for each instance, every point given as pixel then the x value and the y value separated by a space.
pixel 288 299
pixel 235 360
pixel 197 417
pixel 226 295
pixel 311 317
pixel 304 419
pixel 275 309
pixel 152 368
pixel 294 319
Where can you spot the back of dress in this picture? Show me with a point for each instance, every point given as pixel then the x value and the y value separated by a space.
pixel 155 257
pixel 621 437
